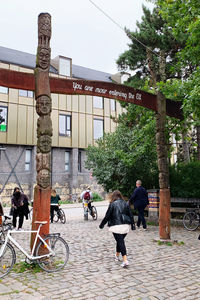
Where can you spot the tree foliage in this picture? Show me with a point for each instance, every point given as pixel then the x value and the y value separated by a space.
pixel 122 157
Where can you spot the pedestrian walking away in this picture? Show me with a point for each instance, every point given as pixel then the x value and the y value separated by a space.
pixel 140 200
pixel 55 198
pixel 119 218
pixel 20 207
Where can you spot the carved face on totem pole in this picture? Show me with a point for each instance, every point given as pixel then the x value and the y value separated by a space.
pixel 43 178
pixel 44 144
pixel 44 25
pixel 43 105
pixel 43 57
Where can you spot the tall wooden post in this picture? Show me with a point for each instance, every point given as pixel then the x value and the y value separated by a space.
pixel 42 191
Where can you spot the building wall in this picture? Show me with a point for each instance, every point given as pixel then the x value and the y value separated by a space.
pixel 21 134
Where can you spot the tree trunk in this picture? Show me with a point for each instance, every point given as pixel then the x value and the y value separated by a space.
pixel 186 152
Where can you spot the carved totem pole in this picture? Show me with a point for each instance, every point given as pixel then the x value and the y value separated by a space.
pixel 42 191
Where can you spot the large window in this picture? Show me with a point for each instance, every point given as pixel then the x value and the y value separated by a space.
pixel 112 104
pixel 65 125
pixel 98 128
pixel 65 66
pixel 27 160
pixel 3 90
pixel 67 160
pixel 3 118
pixel 97 102
pixel 25 93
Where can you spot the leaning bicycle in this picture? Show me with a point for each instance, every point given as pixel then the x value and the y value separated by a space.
pixel 51 252
pixel 191 219
pixel 92 211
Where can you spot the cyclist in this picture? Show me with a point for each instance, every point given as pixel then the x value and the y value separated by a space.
pixel 86 196
pixel 55 198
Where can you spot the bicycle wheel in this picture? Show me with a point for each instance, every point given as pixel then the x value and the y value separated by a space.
pixel 85 213
pixel 55 216
pixel 7 260
pixel 55 262
pixel 62 216
pixel 191 220
pixel 94 212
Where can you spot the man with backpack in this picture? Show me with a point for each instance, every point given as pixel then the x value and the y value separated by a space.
pixel 86 196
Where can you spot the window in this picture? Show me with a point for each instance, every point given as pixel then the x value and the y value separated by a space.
pixel 97 102
pixel 28 160
pixel 3 118
pixel 65 66
pixel 98 128
pixel 112 104
pixel 25 93
pixel 67 161
pixel 3 90
pixel 79 161
pixel 65 125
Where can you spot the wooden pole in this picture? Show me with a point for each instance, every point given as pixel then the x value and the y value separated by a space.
pixel 42 191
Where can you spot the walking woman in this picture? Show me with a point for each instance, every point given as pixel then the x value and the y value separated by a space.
pixel 119 219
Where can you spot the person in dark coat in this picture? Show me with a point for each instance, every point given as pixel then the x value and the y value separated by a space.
pixel 119 218
pixel 20 207
pixel 139 199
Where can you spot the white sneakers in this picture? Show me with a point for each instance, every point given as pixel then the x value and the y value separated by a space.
pixel 125 264
pixel 117 258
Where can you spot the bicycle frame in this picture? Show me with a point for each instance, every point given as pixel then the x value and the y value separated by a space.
pixel 29 256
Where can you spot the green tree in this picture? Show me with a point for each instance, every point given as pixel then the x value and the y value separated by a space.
pixel 120 158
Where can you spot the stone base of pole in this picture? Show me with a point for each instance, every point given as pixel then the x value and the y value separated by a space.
pixel 41 210
pixel 164 214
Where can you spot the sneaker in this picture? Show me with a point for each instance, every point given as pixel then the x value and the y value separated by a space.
pixel 14 228
pixel 125 264
pixel 20 229
pixel 117 258
pixel 145 229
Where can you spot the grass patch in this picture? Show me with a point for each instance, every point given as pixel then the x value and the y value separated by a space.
pixel 169 243
pixel 24 266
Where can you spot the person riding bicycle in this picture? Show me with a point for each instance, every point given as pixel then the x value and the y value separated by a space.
pixel 86 197
pixel 55 198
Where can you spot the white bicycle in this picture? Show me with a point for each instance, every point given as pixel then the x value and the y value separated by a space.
pixel 51 252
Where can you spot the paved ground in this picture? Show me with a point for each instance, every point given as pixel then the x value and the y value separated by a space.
pixel 155 271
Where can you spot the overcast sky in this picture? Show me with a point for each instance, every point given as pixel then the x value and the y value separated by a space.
pixel 79 30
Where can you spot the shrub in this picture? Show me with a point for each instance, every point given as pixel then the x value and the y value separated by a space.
pixel 185 180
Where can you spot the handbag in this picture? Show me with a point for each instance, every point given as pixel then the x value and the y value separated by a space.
pixel 11 211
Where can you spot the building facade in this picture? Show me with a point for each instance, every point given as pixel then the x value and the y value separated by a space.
pixel 78 120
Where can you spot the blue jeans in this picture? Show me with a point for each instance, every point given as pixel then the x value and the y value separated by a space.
pixel 141 217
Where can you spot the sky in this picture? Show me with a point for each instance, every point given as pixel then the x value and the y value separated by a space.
pixel 79 30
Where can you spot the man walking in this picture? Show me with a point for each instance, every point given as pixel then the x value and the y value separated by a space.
pixel 139 199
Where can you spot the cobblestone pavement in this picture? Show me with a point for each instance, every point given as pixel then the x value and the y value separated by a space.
pixel 155 271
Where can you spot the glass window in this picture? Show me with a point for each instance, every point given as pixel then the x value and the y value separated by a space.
pixel 65 125
pixel 65 66
pixel 3 90
pixel 98 128
pixel 67 161
pixel 3 118
pixel 97 102
pixel 25 93
pixel 112 104
pixel 79 161
pixel 28 160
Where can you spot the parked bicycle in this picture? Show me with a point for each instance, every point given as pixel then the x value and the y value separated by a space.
pixel 51 252
pixel 59 215
pixel 5 226
pixel 191 219
pixel 91 211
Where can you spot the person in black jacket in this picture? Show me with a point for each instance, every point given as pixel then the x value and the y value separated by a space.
pixel 20 207
pixel 119 219
pixel 139 199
